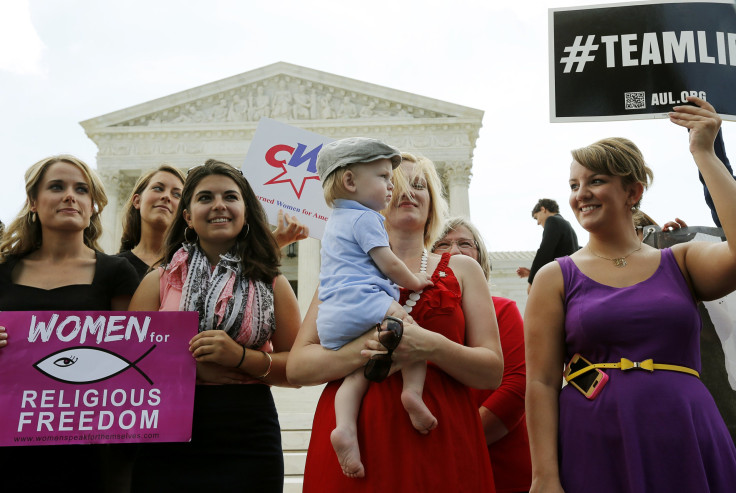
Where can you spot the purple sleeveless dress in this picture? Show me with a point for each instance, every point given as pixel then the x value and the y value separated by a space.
pixel 645 432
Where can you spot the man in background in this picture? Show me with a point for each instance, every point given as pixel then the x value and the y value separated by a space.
pixel 558 239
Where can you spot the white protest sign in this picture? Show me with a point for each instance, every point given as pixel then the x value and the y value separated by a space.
pixel 281 166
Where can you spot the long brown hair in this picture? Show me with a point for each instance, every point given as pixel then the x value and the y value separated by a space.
pixel 24 234
pixel 132 216
pixel 256 246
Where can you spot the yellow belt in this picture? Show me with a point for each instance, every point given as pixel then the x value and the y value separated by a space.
pixel 626 364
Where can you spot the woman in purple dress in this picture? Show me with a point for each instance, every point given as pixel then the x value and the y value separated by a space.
pixel 647 423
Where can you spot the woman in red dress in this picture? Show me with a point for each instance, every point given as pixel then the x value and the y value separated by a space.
pixel 455 332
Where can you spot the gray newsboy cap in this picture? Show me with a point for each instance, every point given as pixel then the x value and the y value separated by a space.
pixel 353 150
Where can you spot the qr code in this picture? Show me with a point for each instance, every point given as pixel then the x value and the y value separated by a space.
pixel 635 100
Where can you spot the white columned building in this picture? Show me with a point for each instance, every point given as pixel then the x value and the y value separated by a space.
pixel 218 120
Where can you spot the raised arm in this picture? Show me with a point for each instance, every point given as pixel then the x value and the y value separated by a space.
pixel 544 334
pixel 720 149
pixel 710 267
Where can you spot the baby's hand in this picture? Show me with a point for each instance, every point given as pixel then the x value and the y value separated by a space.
pixel 423 281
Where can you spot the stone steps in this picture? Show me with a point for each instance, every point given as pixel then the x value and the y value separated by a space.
pixel 296 410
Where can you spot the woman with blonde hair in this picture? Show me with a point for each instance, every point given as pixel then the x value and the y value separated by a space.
pixel 50 260
pixel 455 332
pixel 52 243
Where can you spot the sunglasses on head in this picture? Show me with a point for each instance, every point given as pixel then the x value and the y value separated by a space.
pixel 378 367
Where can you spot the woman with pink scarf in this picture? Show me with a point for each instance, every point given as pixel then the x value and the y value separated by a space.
pixel 221 260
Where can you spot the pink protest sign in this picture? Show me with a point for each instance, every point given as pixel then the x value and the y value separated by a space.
pixel 96 377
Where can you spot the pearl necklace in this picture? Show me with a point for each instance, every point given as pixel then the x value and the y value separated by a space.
pixel 415 295
pixel 619 262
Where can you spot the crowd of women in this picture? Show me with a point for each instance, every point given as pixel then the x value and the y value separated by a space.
pixel 494 383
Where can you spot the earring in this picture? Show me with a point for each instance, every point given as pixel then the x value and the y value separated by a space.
pixel 32 218
pixel 196 239
pixel 247 230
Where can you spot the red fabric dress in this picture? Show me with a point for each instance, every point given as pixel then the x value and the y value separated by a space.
pixel 452 457
pixel 510 459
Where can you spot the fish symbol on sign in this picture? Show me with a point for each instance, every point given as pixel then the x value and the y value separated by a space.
pixel 87 364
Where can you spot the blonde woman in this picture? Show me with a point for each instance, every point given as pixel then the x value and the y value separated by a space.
pixel 50 260
pixel 455 333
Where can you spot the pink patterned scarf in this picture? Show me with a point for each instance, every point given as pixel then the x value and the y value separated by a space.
pixel 224 299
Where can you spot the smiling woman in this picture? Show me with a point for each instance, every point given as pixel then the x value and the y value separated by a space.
pixel 147 215
pixel 619 306
pixel 221 260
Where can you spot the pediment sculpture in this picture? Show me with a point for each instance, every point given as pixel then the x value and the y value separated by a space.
pixel 282 98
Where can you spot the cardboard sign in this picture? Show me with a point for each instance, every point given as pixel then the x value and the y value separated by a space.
pixel 96 377
pixel 637 61
pixel 281 166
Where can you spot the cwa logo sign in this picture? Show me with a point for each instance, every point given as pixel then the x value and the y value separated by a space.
pixel 281 166
pixel 300 167
pixel 634 61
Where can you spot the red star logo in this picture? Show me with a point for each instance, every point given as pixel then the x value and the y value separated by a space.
pixel 292 175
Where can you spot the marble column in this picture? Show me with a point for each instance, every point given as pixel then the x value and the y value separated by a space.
pixel 110 240
pixel 308 272
pixel 457 177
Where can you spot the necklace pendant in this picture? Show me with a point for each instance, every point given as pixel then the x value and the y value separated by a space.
pixel 619 262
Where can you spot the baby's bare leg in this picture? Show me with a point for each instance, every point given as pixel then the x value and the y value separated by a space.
pixel 345 435
pixel 411 397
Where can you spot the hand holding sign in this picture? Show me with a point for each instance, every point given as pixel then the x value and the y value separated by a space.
pixel 289 229
pixel 701 120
